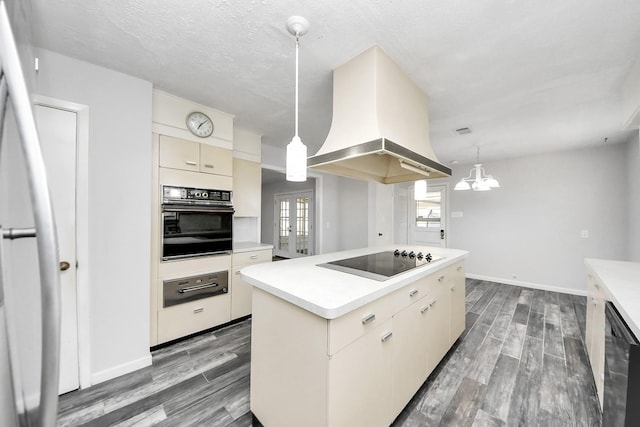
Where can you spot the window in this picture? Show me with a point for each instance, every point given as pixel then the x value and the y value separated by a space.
pixel 428 211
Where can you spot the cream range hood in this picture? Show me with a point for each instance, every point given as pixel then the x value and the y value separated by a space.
pixel 380 126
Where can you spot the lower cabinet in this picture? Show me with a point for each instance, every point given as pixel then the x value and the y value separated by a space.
pixel 360 369
pixel 240 290
pixel 188 318
pixel 457 295
pixel 595 333
pixel 410 351
pixel 360 380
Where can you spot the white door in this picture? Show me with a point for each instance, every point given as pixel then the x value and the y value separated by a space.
pixel 427 218
pixel 293 228
pixel 58 129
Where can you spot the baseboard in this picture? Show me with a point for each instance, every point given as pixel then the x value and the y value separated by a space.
pixel 122 369
pixel 529 284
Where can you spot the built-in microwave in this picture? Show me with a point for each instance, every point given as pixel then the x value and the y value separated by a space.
pixel 196 222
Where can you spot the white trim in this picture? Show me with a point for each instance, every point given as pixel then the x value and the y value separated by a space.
pixel 83 296
pixel 122 369
pixel 528 284
pixel 250 157
pixel 163 129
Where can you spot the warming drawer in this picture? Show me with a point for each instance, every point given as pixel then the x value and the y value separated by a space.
pixel 186 289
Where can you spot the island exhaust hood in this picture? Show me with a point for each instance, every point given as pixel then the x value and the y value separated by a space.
pixel 380 126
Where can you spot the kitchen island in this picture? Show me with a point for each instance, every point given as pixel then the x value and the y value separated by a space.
pixel 330 348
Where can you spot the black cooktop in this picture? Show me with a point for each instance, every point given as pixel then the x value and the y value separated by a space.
pixel 382 265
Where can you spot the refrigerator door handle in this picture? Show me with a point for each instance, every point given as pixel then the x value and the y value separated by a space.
pixel 47 244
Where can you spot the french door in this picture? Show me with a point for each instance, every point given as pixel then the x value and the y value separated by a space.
pixel 293 228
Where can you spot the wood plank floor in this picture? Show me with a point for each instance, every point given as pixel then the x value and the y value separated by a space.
pixel 520 362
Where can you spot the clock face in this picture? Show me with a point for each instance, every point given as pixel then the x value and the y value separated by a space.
pixel 200 124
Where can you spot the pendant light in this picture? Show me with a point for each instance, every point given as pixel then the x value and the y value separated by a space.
pixel 479 181
pixel 296 150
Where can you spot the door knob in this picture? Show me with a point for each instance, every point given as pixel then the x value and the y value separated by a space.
pixel 64 265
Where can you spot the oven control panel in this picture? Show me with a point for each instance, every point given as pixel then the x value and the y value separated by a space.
pixel 172 194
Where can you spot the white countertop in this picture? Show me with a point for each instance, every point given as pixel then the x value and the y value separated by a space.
pixel 622 281
pixel 329 293
pixel 250 246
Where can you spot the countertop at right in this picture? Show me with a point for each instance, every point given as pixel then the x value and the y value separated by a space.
pixel 621 280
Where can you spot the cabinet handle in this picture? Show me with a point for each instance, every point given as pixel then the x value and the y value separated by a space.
pixel 198 310
pixel 459 268
pixel 368 319
pixel 237 271
pixel 424 309
pixel 440 279
pixel 453 288
pixel 254 257
pixel 190 162
pixel 197 288
pixel 207 165
pixel 432 303
pixel 413 293
pixel 386 337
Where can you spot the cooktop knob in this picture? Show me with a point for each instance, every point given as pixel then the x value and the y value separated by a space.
pixel 396 252
pixel 403 253
pixel 428 257
pixel 420 255
pixel 412 254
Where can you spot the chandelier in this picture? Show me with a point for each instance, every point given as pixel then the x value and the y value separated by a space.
pixel 478 179
pixel 296 150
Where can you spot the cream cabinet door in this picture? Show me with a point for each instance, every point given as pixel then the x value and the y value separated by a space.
pixel 241 291
pixel 457 290
pixel 216 160
pixel 360 388
pixel 247 188
pixel 410 348
pixel 438 316
pixel 179 153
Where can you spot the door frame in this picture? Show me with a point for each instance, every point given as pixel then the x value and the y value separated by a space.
pixel 82 230
pixel 411 213
pixel 276 218
pixel 318 235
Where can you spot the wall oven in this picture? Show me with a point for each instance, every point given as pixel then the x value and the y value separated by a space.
pixel 195 222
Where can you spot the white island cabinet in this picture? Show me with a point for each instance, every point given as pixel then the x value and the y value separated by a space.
pixel 329 348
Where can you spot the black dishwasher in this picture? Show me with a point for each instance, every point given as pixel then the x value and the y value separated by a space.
pixel 622 373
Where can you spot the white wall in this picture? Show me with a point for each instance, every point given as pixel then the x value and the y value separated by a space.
pixel 633 179
pixel 529 230
pixel 119 206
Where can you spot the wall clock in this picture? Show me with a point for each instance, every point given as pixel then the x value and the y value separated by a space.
pixel 199 124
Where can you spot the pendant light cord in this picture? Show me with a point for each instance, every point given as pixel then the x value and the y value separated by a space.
pixel 297 49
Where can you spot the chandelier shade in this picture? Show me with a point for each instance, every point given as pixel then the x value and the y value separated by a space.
pixel 477 180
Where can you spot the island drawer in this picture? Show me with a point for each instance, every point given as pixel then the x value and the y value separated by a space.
pixel 420 288
pixel 346 329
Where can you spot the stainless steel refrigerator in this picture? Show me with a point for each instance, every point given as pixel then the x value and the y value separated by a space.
pixel 29 265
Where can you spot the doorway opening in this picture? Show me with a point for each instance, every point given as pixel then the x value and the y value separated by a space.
pixel 293 231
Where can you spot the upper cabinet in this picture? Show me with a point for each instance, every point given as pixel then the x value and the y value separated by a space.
pixel 181 154
pixel 215 160
pixel 247 173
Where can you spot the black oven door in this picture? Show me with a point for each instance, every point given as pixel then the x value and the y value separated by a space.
pixel 191 231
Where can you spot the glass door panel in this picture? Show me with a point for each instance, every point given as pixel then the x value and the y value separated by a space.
pixel 294 225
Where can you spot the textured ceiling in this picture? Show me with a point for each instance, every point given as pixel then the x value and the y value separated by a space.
pixel 526 77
